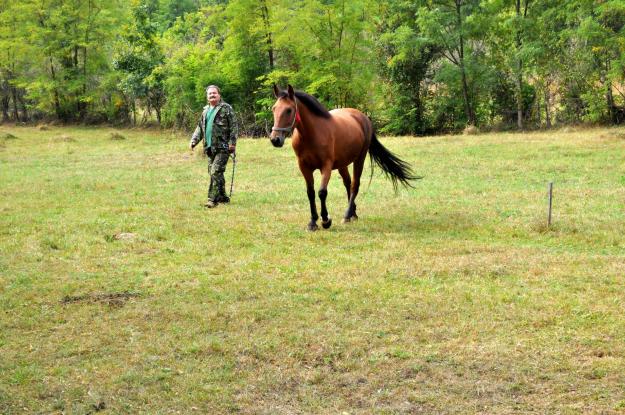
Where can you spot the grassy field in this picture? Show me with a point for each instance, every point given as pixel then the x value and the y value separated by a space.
pixel 120 294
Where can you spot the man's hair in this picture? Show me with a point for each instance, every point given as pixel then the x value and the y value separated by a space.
pixel 213 86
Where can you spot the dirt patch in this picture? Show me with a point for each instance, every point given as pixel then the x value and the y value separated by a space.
pixel 116 136
pixel 124 236
pixel 112 299
pixel 65 139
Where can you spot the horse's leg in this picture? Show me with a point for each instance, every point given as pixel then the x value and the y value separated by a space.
pixel 347 181
pixel 310 191
pixel 344 172
pixel 326 171
pixel 355 187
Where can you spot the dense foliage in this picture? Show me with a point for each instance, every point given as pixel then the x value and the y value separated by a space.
pixel 417 67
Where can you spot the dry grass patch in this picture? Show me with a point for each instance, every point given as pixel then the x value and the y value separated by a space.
pixel 64 138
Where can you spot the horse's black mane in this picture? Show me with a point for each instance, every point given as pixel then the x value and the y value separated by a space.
pixel 310 102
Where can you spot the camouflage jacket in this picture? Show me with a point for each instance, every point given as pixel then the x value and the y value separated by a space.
pixel 224 131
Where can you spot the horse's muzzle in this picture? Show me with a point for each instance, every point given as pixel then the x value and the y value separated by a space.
pixel 277 141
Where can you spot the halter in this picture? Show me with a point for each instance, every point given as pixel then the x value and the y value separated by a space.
pixel 296 118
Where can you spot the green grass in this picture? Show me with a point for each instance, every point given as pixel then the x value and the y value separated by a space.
pixel 453 297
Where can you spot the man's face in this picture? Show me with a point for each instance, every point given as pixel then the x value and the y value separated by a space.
pixel 212 96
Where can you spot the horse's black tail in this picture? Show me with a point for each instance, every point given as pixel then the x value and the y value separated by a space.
pixel 397 170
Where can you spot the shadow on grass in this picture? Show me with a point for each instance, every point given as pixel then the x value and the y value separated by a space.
pixel 451 223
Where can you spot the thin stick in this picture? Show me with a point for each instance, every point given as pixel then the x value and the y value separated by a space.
pixel 550 203
pixel 234 163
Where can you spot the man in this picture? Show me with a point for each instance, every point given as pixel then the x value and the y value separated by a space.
pixel 218 128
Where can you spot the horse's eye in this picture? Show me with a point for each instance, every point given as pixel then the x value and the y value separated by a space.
pixel 289 110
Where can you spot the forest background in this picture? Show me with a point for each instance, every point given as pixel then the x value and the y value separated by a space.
pixel 416 67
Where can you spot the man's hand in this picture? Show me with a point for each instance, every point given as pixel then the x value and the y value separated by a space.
pixel 232 148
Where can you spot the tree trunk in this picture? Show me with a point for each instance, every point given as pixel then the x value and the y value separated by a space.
pixel 519 98
pixel 16 114
pixel 147 113
pixel 610 102
pixel 418 113
pixel 519 80
pixel 538 112
pixel 78 102
pixel 4 103
pixel 465 96
pixel 57 103
pixel 84 64
pixel 465 86
pixel 547 112
pixel 20 97
pixel 84 84
pixel 265 14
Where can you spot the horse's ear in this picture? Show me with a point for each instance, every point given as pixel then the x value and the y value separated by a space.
pixel 276 90
pixel 291 92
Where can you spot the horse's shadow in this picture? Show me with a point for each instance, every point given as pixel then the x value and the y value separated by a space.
pixel 453 222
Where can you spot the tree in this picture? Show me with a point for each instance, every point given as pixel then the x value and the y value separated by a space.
pixel 71 37
pixel 406 61
pixel 521 7
pixel 15 53
pixel 192 49
pixel 603 32
pixel 512 49
pixel 452 26
pixel 416 66
pixel 140 58
pixel 338 61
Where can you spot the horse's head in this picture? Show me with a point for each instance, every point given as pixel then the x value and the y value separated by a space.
pixel 285 115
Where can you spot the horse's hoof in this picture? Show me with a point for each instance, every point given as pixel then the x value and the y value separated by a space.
pixel 326 224
pixel 312 227
pixel 352 218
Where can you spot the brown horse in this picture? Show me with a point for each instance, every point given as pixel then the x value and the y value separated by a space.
pixel 331 140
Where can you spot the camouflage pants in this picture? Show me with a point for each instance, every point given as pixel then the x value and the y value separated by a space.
pixel 216 167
